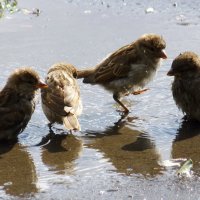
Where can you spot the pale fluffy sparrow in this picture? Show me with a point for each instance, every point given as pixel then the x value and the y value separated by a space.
pixel 61 102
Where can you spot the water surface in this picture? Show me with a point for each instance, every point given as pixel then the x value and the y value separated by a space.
pixel 106 160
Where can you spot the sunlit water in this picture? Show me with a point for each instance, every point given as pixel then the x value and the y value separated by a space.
pixel 134 159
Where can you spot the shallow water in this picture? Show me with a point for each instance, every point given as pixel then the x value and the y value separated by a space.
pixel 133 159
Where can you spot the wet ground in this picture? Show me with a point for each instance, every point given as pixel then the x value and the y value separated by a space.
pixel 133 159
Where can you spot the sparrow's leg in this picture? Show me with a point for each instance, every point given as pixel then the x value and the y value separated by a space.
pixel 50 127
pixel 46 139
pixel 116 98
pixel 122 120
pixel 140 91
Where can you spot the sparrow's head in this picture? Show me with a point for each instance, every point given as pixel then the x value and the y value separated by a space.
pixel 186 64
pixel 70 69
pixel 25 80
pixel 152 45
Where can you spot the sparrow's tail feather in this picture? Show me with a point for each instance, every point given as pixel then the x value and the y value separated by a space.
pixel 71 122
pixel 87 74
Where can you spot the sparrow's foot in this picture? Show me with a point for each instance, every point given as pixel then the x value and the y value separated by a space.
pixel 116 98
pixel 140 91
pixel 122 119
pixel 123 113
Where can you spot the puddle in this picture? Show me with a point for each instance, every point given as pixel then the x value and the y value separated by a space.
pixel 132 158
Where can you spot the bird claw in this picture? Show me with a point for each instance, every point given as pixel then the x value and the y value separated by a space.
pixel 140 91
pixel 123 113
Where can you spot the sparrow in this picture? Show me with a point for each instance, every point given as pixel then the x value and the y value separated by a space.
pixel 61 101
pixel 128 69
pixel 185 87
pixel 17 102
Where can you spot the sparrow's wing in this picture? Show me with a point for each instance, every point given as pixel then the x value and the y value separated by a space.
pixel 117 65
pixel 11 119
pixel 194 91
pixel 7 97
pixel 62 95
pixel 63 98
pixel 71 95
pixel 54 100
pixel 11 116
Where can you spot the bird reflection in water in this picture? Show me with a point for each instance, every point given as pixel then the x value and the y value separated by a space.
pixel 60 151
pixel 17 170
pixel 186 143
pixel 129 150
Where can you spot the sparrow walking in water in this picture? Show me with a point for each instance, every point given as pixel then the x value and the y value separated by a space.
pixel 61 102
pixel 186 85
pixel 129 69
pixel 17 102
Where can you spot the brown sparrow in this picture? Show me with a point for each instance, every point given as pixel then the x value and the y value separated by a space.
pixel 128 69
pixel 17 101
pixel 61 102
pixel 185 87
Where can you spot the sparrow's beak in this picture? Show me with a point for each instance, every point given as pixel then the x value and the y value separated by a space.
pixel 170 73
pixel 163 54
pixel 41 85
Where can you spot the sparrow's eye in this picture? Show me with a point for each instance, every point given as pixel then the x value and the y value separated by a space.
pixel 151 49
pixel 31 82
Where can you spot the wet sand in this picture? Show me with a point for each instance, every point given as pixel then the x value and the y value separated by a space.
pixel 105 160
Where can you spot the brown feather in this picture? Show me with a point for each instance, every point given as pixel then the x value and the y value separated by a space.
pixel 61 102
pixel 116 65
pixel 129 68
pixel 71 122
pixel 17 102
pixel 185 87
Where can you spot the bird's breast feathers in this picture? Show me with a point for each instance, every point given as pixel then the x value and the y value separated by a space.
pixel 138 76
pixel 140 72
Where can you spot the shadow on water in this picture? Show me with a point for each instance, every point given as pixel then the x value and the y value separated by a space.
pixel 59 151
pixel 187 143
pixel 142 143
pixel 6 146
pixel 17 170
pixel 129 150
